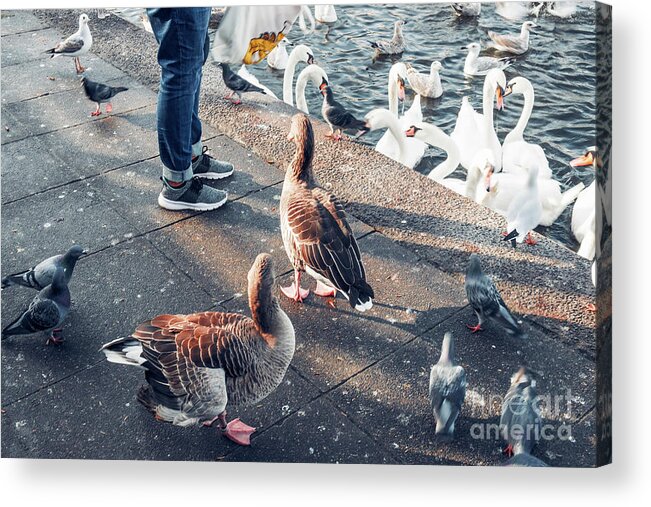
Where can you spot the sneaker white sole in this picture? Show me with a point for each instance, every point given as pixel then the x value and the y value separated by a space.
pixel 214 176
pixel 168 204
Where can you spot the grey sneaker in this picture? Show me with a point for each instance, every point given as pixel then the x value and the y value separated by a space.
pixel 207 167
pixel 193 195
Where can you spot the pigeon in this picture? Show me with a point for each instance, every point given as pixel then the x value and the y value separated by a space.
pixel 336 114
pixel 76 45
pixel 486 300
pixel 237 84
pixel 520 419
pixel 524 212
pixel 447 389
pixel 42 275
pixel 46 312
pixel 100 93
pixel 395 46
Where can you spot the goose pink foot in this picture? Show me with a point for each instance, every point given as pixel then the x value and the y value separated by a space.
pixel 238 432
pixel 297 295
pixel 324 291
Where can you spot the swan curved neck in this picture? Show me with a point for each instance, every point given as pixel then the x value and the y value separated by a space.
pixel 518 131
pixel 389 121
pixel 487 104
pixel 288 78
pixel 440 139
pixel 472 180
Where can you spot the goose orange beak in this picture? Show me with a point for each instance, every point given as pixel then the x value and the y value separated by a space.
pixel 583 160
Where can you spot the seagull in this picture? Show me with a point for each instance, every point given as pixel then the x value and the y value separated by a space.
pixel 468 9
pixel 447 389
pixel 516 44
pixel 336 115
pixel 76 45
pixel 100 93
pixel 476 65
pixel 237 84
pixel 395 46
pixel 520 419
pixel 486 301
pixel 41 275
pixel 524 212
pixel 46 312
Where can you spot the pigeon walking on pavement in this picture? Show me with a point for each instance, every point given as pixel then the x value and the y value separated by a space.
pixel 76 45
pixel 447 389
pixel 520 419
pixel 336 115
pixel 237 84
pixel 486 300
pixel 46 312
pixel 100 93
pixel 42 275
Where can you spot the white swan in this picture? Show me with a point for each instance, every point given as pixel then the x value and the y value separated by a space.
pixel 325 13
pixel 473 132
pixel 584 210
pixel 517 154
pixel 300 53
pixel 424 85
pixel 388 145
pixel 243 72
pixel 434 136
pixel 476 65
pixel 313 74
pixel 378 119
pixel 561 9
pixel 278 57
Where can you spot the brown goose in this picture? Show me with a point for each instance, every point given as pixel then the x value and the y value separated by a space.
pixel 315 231
pixel 196 364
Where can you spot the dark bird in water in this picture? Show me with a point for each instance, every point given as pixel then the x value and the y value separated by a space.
pixel 237 84
pixel 42 275
pixel 100 93
pixel 46 312
pixel 486 300
pixel 336 115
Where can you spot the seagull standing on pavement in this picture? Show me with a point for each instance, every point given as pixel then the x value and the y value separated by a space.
pixel 76 45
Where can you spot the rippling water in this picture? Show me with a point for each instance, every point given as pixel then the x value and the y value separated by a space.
pixel 560 64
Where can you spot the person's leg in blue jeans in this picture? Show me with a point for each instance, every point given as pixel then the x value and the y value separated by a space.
pixel 182 35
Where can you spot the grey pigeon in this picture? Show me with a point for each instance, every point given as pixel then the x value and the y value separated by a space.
pixel 520 420
pixel 42 275
pixel 447 389
pixel 237 84
pixel 486 300
pixel 46 312
pixel 336 115
pixel 101 93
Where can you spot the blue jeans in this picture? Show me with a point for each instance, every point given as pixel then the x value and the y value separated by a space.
pixel 182 36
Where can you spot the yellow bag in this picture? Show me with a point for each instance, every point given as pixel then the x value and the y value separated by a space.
pixel 247 34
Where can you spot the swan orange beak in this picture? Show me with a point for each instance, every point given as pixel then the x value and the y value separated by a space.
pixel 487 178
pixel 499 93
pixel 401 89
pixel 411 131
pixel 584 160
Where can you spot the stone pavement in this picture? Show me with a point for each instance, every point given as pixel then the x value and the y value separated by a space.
pixel 356 391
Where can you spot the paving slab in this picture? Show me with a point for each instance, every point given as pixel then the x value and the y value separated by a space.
pixel 16 21
pixel 391 401
pixel 45 224
pixel 51 76
pixel 31 46
pixel 131 292
pixel 318 433
pixel 67 109
pixel 96 416
pixel 28 167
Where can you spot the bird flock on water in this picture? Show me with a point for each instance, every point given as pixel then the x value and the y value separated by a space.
pixel 198 364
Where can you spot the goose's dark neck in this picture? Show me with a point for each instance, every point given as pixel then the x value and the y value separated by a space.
pixel 300 169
